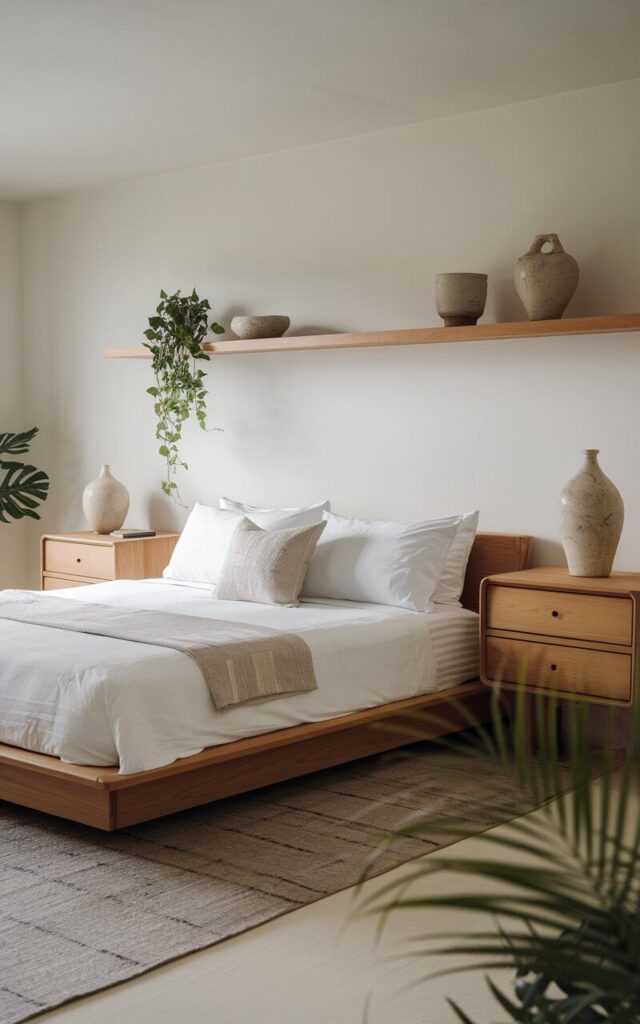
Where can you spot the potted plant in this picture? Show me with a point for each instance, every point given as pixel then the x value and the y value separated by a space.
pixel 565 917
pixel 175 336
pixel 22 487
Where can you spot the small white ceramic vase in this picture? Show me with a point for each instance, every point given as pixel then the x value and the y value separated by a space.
pixel 105 502
pixel 591 520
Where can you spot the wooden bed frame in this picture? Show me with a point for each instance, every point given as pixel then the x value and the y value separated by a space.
pixel 102 798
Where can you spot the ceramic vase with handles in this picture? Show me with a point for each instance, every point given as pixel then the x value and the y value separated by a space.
pixel 546 281
pixel 591 520
pixel 105 502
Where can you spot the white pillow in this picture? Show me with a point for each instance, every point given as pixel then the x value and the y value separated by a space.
pixel 451 582
pixel 279 518
pixel 202 546
pixel 379 562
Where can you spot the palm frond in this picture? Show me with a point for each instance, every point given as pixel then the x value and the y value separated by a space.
pixel 462 1017
pixel 565 902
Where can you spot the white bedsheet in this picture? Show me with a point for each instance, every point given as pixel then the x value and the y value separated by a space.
pixel 96 700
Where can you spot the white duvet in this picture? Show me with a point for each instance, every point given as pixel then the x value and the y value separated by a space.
pixel 96 700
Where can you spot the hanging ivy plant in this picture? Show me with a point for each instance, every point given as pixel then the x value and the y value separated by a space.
pixel 175 337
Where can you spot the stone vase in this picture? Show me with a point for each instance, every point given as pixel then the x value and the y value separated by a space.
pixel 591 520
pixel 546 281
pixel 105 502
pixel 460 298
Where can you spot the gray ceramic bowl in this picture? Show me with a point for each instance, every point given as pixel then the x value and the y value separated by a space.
pixel 247 327
pixel 460 298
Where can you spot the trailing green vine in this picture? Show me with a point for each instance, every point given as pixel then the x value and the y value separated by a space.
pixel 175 337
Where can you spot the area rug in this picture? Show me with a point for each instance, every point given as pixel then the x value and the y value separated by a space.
pixel 83 910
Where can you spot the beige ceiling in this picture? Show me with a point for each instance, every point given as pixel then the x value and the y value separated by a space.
pixel 93 91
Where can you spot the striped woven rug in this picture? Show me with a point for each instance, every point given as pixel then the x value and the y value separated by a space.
pixel 83 910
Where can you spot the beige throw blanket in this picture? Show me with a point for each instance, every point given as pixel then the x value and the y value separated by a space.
pixel 241 663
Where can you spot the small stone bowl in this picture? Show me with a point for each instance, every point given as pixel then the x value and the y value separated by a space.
pixel 460 298
pixel 247 327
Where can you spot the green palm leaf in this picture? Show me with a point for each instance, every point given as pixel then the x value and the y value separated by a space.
pixel 460 1013
pixel 565 901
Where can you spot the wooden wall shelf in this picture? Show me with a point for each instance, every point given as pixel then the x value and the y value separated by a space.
pixel 418 336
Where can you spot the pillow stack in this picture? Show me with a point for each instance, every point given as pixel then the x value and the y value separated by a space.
pixel 259 556
pixel 272 556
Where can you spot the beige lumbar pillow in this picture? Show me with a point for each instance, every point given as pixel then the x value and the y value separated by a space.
pixel 267 566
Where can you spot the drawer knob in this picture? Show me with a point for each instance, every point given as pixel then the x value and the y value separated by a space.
pixel 554 668
pixel 555 614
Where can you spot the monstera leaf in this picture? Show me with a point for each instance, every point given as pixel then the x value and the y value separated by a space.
pixel 23 487
pixel 17 444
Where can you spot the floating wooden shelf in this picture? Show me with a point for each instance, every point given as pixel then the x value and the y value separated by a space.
pixel 417 336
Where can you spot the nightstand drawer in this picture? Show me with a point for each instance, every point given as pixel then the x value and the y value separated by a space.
pixel 65 582
pixel 553 613
pixel 566 669
pixel 71 559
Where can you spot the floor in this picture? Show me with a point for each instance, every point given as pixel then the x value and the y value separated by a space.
pixel 317 965
pixel 313 966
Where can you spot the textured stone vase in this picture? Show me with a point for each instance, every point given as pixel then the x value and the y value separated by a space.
pixel 591 520
pixel 460 298
pixel 546 281
pixel 105 502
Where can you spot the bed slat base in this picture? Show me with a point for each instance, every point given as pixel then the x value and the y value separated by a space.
pixel 105 800
pixel 280 763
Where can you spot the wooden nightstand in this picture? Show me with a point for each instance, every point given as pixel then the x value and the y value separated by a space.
pixel 576 635
pixel 76 559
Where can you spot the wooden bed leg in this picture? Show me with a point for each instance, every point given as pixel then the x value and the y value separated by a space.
pixel 72 798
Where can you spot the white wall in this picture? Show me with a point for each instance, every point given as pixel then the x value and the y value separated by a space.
pixel 343 236
pixel 13 536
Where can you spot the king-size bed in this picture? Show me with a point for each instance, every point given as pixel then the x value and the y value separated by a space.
pixel 109 732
